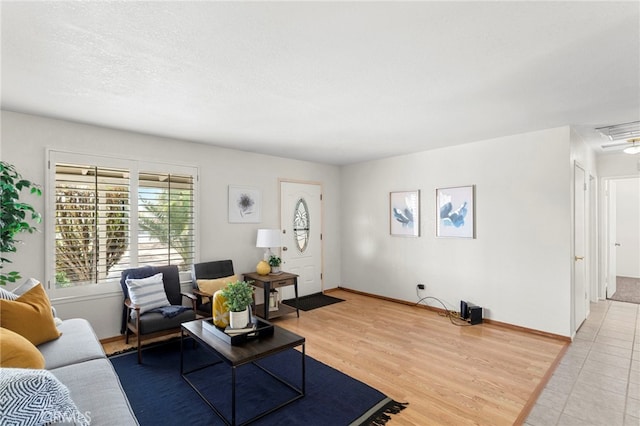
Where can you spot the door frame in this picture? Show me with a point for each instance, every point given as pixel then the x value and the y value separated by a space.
pixel 579 298
pixel 607 265
pixel 307 182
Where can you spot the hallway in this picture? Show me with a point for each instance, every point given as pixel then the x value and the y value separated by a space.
pixel 598 381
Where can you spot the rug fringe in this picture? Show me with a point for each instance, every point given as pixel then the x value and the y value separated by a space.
pixel 383 415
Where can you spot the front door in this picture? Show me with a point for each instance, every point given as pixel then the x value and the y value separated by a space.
pixel 301 224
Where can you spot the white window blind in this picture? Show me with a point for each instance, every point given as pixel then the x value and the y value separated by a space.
pixel 165 219
pixel 106 215
pixel 92 223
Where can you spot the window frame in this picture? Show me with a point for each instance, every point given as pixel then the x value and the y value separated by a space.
pixel 134 166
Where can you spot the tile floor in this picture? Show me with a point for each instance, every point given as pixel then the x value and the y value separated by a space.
pixel 598 380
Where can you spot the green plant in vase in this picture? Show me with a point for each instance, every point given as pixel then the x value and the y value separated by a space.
pixel 274 262
pixel 238 295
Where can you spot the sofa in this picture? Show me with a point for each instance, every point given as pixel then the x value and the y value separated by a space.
pixel 54 371
pixel 77 359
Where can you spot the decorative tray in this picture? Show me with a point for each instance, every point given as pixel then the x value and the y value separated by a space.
pixel 260 328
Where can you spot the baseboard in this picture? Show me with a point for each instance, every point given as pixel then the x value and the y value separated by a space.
pixel 112 339
pixel 485 320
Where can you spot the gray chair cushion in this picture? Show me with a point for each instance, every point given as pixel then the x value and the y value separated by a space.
pixel 155 321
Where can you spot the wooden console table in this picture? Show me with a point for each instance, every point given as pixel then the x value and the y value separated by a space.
pixel 273 281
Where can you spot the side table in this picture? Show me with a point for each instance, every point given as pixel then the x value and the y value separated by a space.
pixel 273 281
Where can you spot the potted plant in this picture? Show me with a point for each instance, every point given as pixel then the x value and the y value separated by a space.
pixel 274 262
pixel 13 219
pixel 238 295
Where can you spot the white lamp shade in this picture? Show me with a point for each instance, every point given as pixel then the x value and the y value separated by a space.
pixel 634 149
pixel 269 238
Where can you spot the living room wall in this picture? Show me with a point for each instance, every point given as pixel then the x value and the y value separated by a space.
pixel 25 139
pixel 518 266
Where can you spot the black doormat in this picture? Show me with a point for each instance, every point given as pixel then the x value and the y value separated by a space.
pixel 312 301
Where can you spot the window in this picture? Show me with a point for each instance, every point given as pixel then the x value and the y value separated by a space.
pixel 301 225
pixel 107 215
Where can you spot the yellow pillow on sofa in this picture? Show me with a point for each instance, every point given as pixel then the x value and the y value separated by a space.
pixel 18 352
pixel 211 286
pixel 30 316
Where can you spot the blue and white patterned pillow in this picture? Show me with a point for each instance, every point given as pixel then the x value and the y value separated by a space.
pixel 148 293
pixel 7 295
pixel 36 397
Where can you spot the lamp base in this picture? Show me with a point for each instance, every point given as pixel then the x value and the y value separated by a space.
pixel 263 268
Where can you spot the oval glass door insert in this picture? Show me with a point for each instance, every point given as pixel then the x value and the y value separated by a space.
pixel 301 225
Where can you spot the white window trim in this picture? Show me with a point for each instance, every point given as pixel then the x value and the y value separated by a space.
pixel 112 286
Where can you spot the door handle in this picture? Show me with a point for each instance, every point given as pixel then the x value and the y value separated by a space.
pixel 617 244
pixel 284 249
pixel 579 258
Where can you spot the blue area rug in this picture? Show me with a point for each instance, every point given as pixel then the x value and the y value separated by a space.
pixel 160 396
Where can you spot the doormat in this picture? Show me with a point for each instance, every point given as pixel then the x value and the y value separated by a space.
pixel 312 301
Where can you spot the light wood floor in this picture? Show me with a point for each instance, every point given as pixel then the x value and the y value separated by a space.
pixel 483 374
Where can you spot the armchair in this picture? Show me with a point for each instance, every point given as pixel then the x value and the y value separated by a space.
pixel 146 324
pixel 209 271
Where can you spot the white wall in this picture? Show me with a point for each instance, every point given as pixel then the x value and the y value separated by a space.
pixel 628 227
pixel 25 138
pixel 518 268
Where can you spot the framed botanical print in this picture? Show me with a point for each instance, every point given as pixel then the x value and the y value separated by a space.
pixel 455 212
pixel 245 204
pixel 404 213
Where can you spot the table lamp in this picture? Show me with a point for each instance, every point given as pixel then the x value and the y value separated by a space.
pixel 267 238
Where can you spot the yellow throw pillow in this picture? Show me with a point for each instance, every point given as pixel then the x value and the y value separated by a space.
pixel 18 352
pixel 220 311
pixel 211 286
pixel 30 316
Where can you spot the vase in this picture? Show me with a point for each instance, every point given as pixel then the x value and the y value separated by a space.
pixel 263 268
pixel 275 269
pixel 239 319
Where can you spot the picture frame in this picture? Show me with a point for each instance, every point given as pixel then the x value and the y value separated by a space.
pixel 455 212
pixel 245 204
pixel 404 213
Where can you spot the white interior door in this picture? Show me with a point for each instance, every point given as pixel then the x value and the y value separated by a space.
pixel 580 296
pixel 612 244
pixel 301 224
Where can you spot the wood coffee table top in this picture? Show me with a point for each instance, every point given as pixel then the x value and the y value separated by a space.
pixel 247 352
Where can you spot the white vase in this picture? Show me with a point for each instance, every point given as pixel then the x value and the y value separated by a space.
pixel 239 319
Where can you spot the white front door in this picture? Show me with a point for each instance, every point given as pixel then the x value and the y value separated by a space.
pixel 579 248
pixel 301 224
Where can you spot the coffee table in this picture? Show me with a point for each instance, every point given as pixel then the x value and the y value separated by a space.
pixel 237 356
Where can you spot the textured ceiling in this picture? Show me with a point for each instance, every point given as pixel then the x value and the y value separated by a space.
pixel 330 82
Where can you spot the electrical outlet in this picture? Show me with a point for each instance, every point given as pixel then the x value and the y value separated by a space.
pixel 420 286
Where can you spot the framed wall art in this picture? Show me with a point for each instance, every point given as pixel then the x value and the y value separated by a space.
pixel 456 212
pixel 245 204
pixel 404 213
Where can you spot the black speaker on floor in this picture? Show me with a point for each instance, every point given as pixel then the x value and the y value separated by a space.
pixel 475 315
pixel 470 312
pixel 464 312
